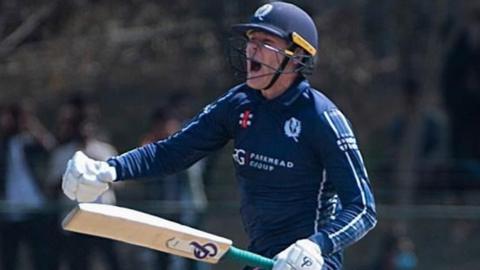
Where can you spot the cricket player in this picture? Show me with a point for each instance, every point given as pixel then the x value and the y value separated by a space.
pixel 305 193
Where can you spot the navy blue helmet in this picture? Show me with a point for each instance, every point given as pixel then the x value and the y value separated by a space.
pixel 286 21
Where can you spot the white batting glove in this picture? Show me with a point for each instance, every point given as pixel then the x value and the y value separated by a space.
pixel 302 255
pixel 86 179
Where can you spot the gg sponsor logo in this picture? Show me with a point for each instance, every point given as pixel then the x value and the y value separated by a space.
pixel 239 156
pixel 260 161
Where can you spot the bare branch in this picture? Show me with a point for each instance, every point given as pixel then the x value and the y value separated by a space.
pixel 25 29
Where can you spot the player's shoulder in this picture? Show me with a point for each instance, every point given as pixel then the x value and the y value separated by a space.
pixel 320 103
pixel 241 91
pixel 327 115
pixel 233 98
pixel 240 94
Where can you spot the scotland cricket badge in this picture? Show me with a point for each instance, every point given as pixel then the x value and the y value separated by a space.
pixel 245 119
pixel 263 11
pixel 292 128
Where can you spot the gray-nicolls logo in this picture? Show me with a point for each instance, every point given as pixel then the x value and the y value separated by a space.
pixel 263 11
pixel 292 128
pixel 306 262
pixel 202 251
pixel 246 119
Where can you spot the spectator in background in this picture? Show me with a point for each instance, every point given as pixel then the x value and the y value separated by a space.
pixel 461 97
pixel 25 143
pixel 76 131
pixel 184 191
pixel 183 106
pixel 417 146
pixel 397 251
pixel 416 150
pixel 461 93
pixel 189 189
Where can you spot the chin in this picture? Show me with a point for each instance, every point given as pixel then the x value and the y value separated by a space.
pixel 258 83
pixel 253 85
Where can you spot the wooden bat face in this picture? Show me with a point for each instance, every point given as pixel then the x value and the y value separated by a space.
pixel 145 230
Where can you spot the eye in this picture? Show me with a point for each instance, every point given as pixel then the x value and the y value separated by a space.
pixel 268 42
pixel 253 41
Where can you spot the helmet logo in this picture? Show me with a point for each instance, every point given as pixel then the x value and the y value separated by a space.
pixel 263 11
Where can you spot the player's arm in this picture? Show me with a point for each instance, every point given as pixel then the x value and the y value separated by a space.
pixel 206 132
pixel 346 170
pixel 85 179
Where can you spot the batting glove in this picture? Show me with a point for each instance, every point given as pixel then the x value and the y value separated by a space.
pixel 302 255
pixel 86 179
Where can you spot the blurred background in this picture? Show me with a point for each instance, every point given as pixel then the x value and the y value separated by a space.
pixel 106 76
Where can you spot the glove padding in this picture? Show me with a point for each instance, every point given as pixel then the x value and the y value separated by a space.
pixel 302 255
pixel 86 179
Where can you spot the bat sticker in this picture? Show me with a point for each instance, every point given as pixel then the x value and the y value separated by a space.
pixel 202 251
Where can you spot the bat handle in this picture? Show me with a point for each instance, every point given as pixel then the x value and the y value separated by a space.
pixel 249 258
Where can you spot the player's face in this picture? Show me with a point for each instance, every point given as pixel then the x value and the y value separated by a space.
pixel 264 56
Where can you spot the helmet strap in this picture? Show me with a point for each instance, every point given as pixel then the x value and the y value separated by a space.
pixel 280 69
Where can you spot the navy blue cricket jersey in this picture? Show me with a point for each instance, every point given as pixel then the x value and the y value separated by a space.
pixel 298 166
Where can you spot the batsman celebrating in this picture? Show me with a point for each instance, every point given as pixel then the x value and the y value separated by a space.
pixel 305 193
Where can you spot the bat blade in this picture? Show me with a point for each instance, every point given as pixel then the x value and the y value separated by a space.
pixel 138 228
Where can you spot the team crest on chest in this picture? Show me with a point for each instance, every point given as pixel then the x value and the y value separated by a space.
pixel 292 128
pixel 245 119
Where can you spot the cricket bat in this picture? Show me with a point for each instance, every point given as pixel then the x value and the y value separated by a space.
pixel 142 229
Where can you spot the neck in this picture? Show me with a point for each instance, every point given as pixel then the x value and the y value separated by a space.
pixel 279 87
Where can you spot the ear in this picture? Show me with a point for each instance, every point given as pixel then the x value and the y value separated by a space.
pixel 299 56
pixel 303 61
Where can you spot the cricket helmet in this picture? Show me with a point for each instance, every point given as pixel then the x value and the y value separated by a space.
pixel 286 21
pixel 283 20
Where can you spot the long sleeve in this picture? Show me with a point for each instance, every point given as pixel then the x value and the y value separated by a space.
pixel 346 171
pixel 206 132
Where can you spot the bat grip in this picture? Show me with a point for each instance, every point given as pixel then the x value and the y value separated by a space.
pixel 249 258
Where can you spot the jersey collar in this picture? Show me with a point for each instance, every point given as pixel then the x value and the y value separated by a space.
pixel 292 93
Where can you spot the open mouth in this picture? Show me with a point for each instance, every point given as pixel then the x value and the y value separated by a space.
pixel 255 66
